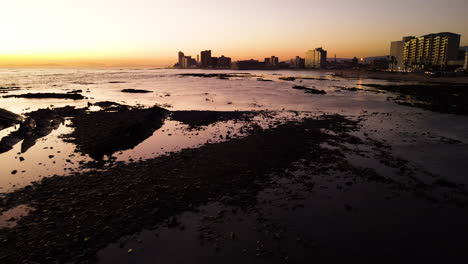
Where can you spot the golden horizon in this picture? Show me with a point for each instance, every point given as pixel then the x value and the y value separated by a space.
pixel 144 32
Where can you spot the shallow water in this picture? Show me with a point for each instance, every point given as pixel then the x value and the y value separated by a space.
pixel 340 217
pixel 404 127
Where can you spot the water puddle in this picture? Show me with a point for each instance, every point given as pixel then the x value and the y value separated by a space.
pixel 10 218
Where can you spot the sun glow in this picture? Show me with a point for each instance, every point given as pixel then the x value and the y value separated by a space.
pixel 150 32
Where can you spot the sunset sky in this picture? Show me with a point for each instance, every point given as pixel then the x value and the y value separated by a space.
pixel 151 32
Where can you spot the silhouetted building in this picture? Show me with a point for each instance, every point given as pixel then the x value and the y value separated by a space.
pixel 274 61
pixel 188 62
pixel 224 62
pixel 205 59
pixel 379 63
pixel 316 58
pixel 181 59
pixel 213 62
pixel 431 51
pixel 297 63
pixel 248 65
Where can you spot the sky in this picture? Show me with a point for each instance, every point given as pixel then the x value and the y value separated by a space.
pixel 151 32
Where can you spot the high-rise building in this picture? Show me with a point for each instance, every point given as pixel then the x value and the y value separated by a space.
pixel 188 62
pixel 430 51
pixel 205 58
pixel 316 58
pixel 181 59
pixel 396 53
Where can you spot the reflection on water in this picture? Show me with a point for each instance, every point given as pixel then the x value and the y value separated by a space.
pixel 40 149
pixel 9 219
pixel 38 125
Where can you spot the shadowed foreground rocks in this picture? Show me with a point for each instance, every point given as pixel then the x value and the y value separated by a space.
pixel 77 215
pixel 106 132
pixel 8 118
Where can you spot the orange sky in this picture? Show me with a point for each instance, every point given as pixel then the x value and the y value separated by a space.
pixel 151 32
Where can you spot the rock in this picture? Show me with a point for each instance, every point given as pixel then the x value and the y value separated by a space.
pixel 73 96
pixel 8 118
pixel 309 90
pixel 135 91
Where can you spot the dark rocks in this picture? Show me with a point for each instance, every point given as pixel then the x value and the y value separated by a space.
pixel 263 80
pixel 73 96
pixel 135 91
pixel 352 89
pixel 203 118
pixel 309 90
pixel 8 118
pixel 443 98
pixel 38 124
pixel 287 78
pixel 445 183
pixel 105 205
pixel 223 76
pixel 4 90
pixel 106 104
pixel 104 133
pixel 75 92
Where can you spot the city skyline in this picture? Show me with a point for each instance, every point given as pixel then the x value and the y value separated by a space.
pixel 144 32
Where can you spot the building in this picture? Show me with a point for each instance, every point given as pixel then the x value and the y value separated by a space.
pixel 396 53
pixel 466 61
pixel 297 63
pixel 181 59
pixel 272 62
pixel 213 62
pixel 316 58
pixel 224 62
pixel 432 51
pixel 248 65
pixel 188 62
pixel 185 62
pixel 205 59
